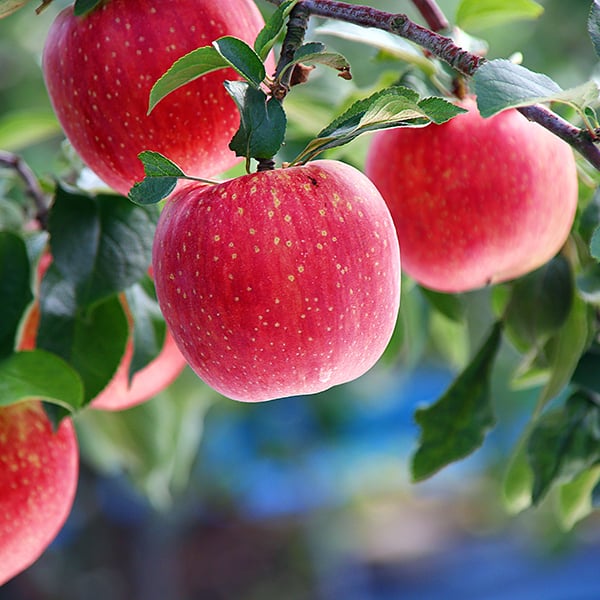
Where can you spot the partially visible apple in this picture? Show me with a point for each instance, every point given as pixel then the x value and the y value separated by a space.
pixel 122 391
pixel 99 70
pixel 475 201
pixel 281 282
pixel 38 479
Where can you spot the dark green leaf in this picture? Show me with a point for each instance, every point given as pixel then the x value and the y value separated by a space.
pixel 189 67
pixel 152 190
pixel 564 443
pixel 450 305
pixel 539 304
pixel 588 284
pixel 263 122
pixel 456 424
pixel 242 58
pixel 518 481
pixel 392 107
pixel 595 244
pixel 102 244
pixel 587 372
pixel 270 32
pixel 83 7
pixel 91 340
pixel 480 14
pixel 594 25
pixel 149 325
pixel 15 288
pixel 157 165
pixel 500 84
pixel 39 375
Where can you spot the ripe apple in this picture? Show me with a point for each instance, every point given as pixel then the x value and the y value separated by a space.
pixel 99 70
pixel 475 201
pixel 122 391
pixel 38 480
pixel 281 282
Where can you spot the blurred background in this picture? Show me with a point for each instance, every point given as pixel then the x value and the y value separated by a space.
pixel 193 496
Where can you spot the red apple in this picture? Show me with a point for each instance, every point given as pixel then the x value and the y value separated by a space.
pixel 99 70
pixel 38 480
pixel 475 201
pixel 281 282
pixel 122 391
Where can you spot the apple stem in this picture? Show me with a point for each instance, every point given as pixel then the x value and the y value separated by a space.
pixel 265 164
pixel 445 49
pixel 32 186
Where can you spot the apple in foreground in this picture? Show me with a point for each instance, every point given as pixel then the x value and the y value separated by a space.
pixel 281 282
pixel 475 201
pixel 39 469
pixel 99 69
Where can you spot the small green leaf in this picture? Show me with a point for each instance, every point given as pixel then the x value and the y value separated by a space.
pixel 595 244
pixel 157 165
pixel 15 288
pixel 39 375
pixel 273 27
pixel 91 340
pixel 262 122
pixel 242 58
pixel 594 25
pixel 500 84
pixel 82 7
pixel 315 52
pixel 392 107
pixel 575 497
pixel 189 67
pixel 152 190
pixel 517 485
pixel 149 325
pixel 102 244
pixel 456 424
pixel 564 443
pixel 480 14
pixel 564 350
pixel 539 304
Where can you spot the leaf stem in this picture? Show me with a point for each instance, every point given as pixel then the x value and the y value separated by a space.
pixel 32 186
pixel 445 49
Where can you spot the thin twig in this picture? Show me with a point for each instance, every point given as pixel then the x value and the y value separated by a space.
pixel 433 14
pixel 32 186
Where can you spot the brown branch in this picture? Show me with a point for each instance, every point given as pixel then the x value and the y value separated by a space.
pixel 32 186
pixel 433 14
pixel 445 49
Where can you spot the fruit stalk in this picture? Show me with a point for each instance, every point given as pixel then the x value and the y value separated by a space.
pixel 460 59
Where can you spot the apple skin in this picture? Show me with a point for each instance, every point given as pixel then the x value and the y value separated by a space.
pixel 475 201
pixel 122 392
pixel 279 283
pixel 99 70
pixel 39 470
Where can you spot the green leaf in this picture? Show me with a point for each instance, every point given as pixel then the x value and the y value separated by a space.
pixel 594 25
pixel 91 340
pixel 15 288
pixel 23 128
pixel 273 27
pixel 588 284
pixel 456 424
pixel 392 107
pixel 480 14
pixel 102 243
pixel 450 305
pixel 262 122
pixel 517 485
pixel 564 350
pixel 595 244
pixel 82 7
pixel 539 304
pixel 500 84
pixel 315 52
pixel 39 375
pixel 189 67
pixel 157 165
pixel 564 443
pixel 151 190
pixel 149 325
pixel 242 58
pixel 587 372
pixel 575 498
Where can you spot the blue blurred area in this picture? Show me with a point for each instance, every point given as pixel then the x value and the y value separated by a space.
pixel 310 498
